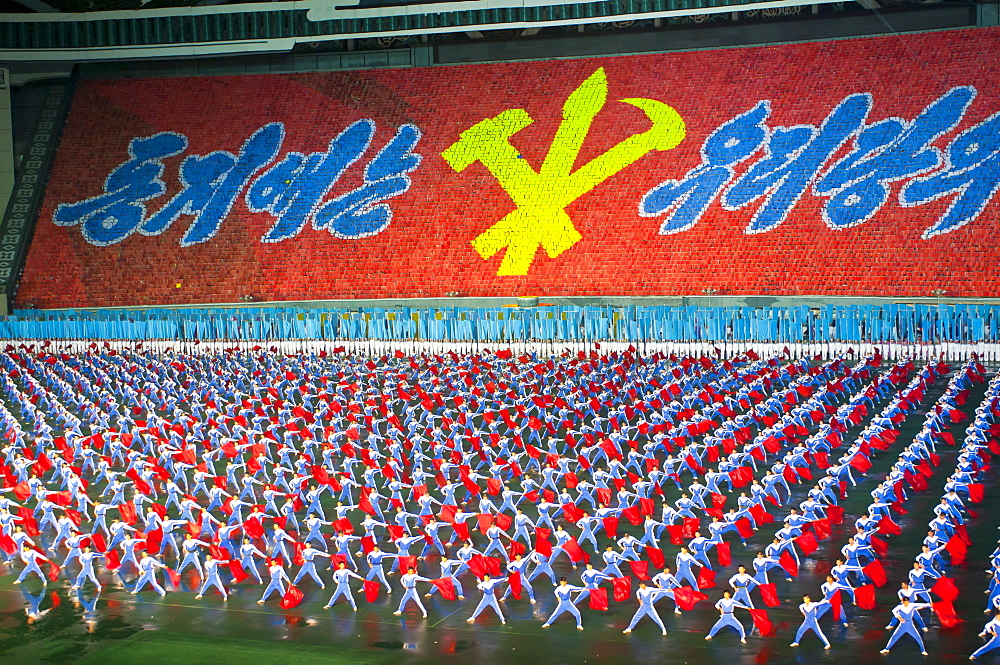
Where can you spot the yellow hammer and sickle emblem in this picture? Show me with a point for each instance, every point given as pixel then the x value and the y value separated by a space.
pixel 541 197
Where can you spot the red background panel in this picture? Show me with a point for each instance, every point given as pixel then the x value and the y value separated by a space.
pixel 426 250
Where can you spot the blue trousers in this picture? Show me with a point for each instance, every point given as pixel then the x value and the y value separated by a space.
pixel 411 594
pixel 275 585
pixel 488 600
pixel 343 590
pixel 566 606
pixel 989 646
pixel 807 625
pixel 730 621
pixel 647 611
pixel 906 628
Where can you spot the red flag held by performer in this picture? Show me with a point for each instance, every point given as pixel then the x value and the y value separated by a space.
pixel 599 599
pixel 292 597
pixel 622 588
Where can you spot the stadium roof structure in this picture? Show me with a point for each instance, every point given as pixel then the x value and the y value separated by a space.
pixel 123 29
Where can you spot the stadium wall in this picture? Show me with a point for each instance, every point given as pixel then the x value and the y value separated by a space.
pixel 862 167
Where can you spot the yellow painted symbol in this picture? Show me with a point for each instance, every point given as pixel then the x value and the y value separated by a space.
pixel 541 197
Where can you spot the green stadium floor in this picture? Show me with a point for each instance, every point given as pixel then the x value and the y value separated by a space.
pixel 148 630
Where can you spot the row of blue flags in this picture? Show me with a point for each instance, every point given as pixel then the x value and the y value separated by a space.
pixel 915 323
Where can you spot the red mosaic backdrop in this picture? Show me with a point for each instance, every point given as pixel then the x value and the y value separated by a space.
pixel 427 250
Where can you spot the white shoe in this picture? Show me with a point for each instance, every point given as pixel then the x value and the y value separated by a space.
pixel 396 613
pixel 794 644
pixel 627 631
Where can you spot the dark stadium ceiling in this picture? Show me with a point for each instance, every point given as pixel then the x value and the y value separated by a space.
pixel 75 6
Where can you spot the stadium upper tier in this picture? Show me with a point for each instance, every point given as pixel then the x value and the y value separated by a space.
pixel 861 167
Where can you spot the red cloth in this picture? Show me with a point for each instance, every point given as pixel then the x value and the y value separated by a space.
pixel 371 588
pixel 127 512
pixel 575 552
pixel 236 568
pixel 154 538
pixel 744 527
pixel 864 596
pixel 656 558
pixel 542 545
pixel 462 530
pixel 622 587
pixel 821 528
pixel 880 546
pixel 945 612
pixel 640 569
pixel 762 622
pixel 22 491
pixel 492 565
pixel 504 521
pixel 112 560
pixel 7 544
pixel 807 543
pixel 706 579
pixel 676 532
pixel 835 514
pixel 976 493
pixel 722 553
pixel 837 603
pixel 477 564
pixel 957 548
pixel 760 516
pixel 53 571
pixel 787 562
pixel 686 598
pixel 485 521
pixel 514 580
pixel 769 594
pixel 446 587
pixel 633 515
pixel 292 597
pixel 861 463
pixel 572 513
pixel 611 527
pixel 887 527
pixel 447 513
pixel 175 577
pixel 945 589
pixel 599 599
pixel 253 528
pixel 875 573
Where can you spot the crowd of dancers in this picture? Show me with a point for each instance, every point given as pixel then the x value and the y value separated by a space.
pixel 593 477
